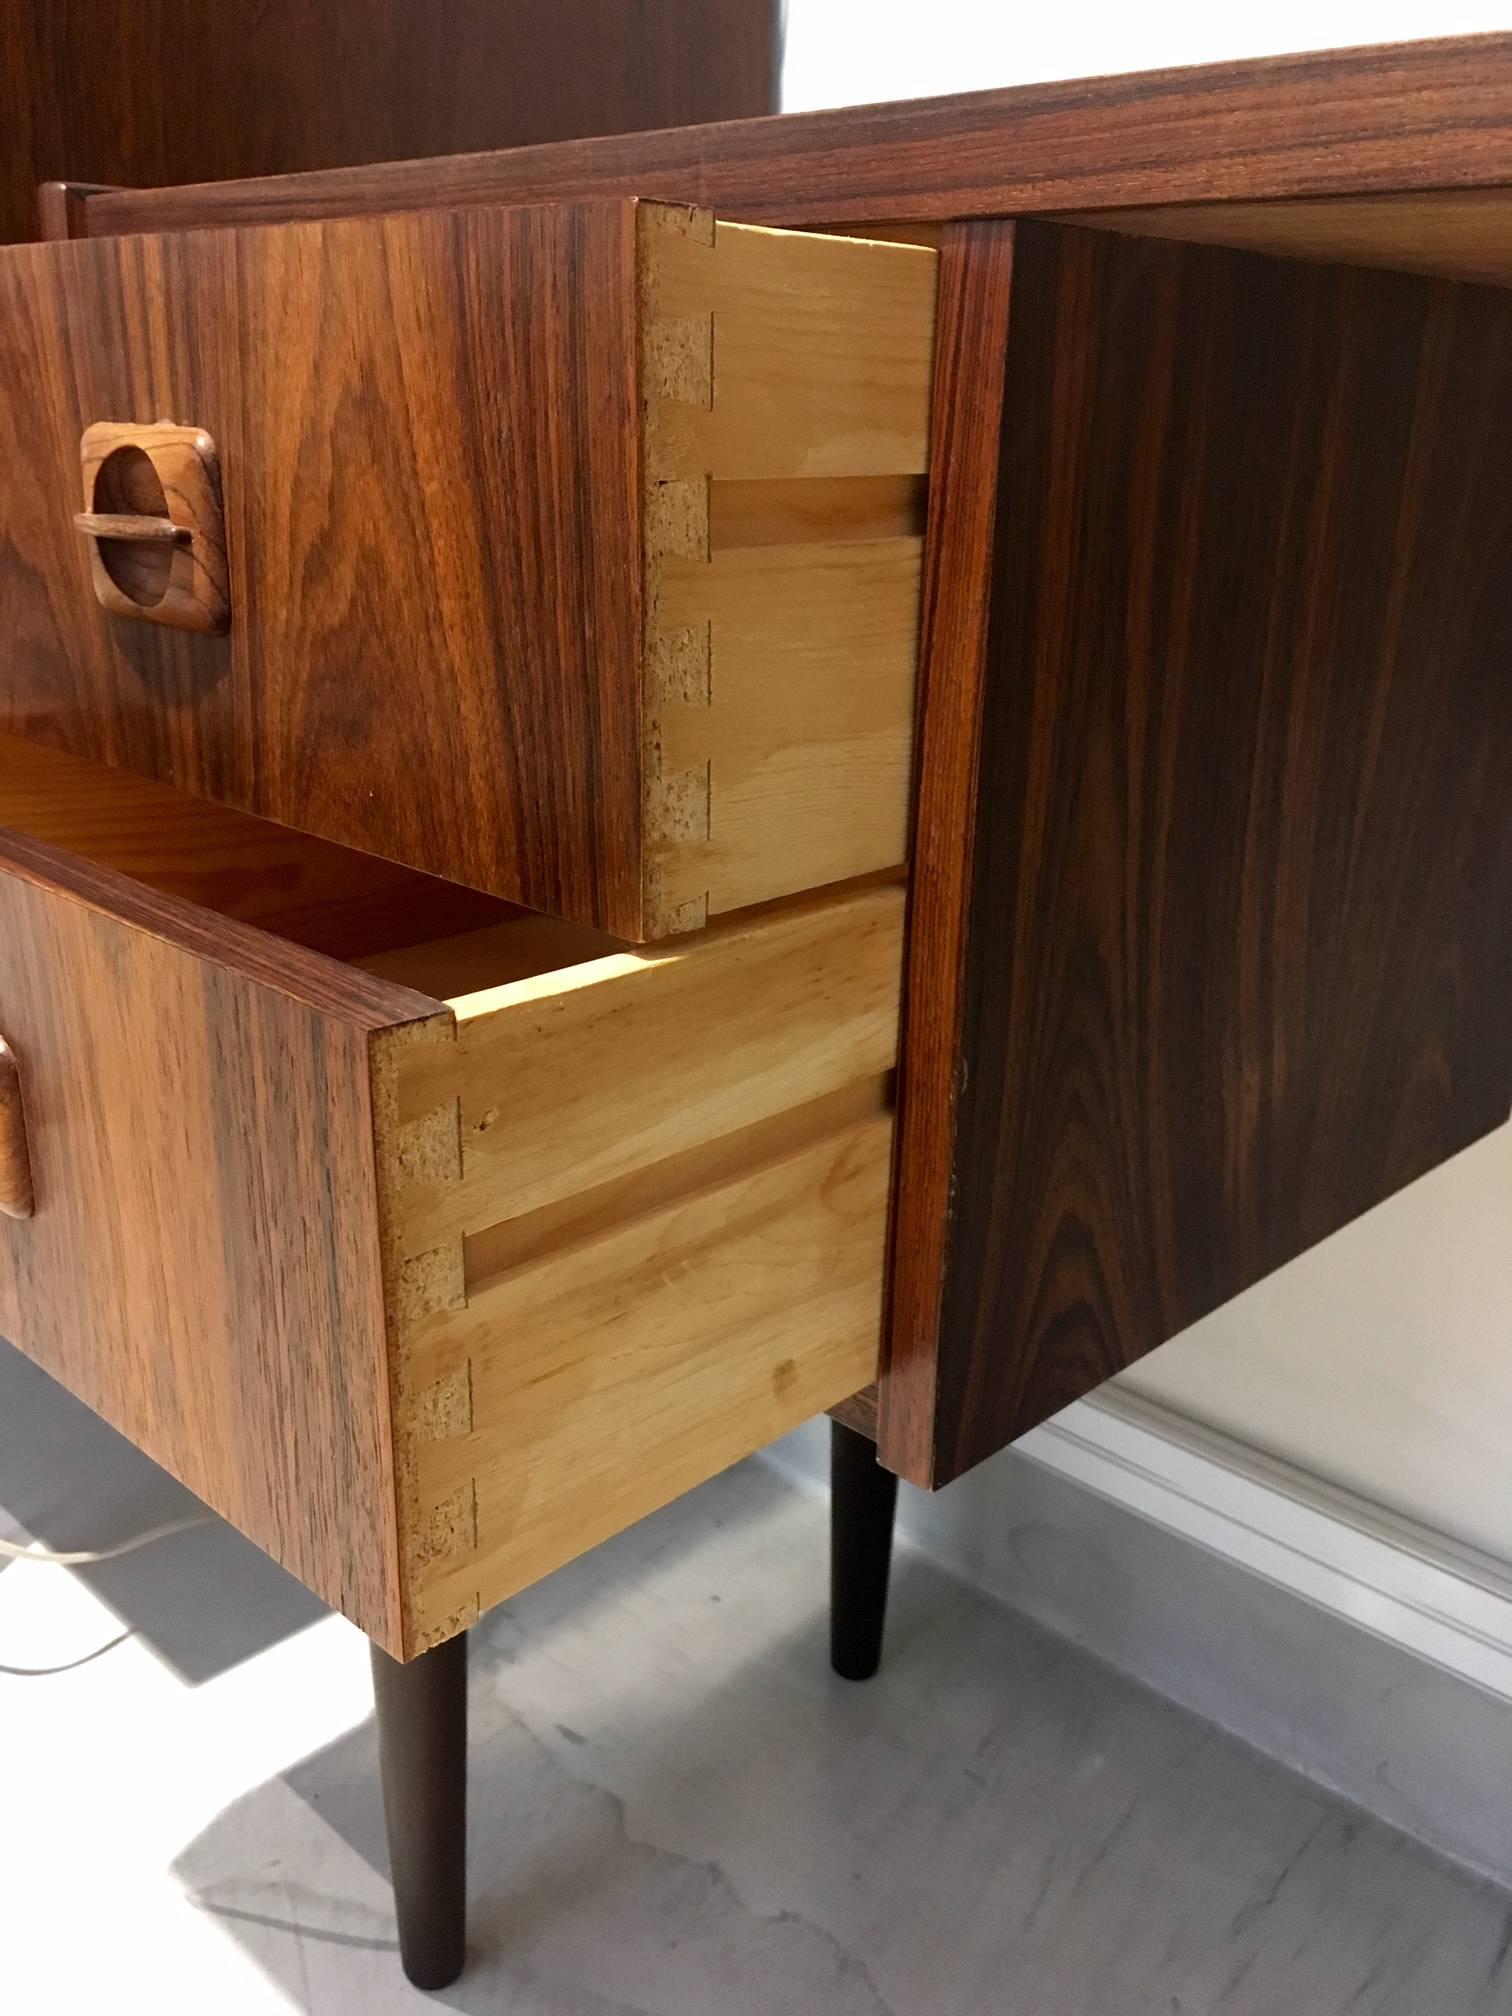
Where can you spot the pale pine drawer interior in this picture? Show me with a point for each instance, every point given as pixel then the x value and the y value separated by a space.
pixel 632 1203
pixel 786 384
pixel 638 1208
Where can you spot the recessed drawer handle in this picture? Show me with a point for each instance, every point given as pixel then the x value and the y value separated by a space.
pixel 15 1163
pixel 152 506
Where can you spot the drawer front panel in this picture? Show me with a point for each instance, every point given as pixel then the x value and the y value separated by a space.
pixel 202 1264
pixel 426 437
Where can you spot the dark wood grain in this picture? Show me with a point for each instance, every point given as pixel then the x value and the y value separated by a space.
pixel 61 210
pixel 326 898
pixel 971 347
pixel 162 91
pixel 859 1412
pixel 203 1264
pixel 1414 115
pixel 427 438
pixel 1240 938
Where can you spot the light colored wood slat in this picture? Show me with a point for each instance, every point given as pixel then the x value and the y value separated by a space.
pixel 417 1289
pixel 604 1382
pixel 806 740
pixel 787 511
pixel 581 1078
pixel 1463 234
pixel 587 1213
pixel 787 392
pixel 822 351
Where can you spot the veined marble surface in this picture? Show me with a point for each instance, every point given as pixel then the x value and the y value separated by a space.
pixel 677 1810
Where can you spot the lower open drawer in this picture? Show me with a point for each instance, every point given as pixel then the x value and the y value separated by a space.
pixel 431 1266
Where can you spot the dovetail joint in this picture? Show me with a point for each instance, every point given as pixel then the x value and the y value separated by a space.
pixel 678 389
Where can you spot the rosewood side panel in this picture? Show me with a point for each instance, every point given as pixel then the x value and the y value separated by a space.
pixel 971 349
pixel 1239 947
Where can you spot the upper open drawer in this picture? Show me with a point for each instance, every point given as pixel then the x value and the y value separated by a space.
pixel 571 553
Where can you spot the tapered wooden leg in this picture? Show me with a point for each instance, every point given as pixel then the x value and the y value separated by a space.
pixel 422 1754
pixel 863 1497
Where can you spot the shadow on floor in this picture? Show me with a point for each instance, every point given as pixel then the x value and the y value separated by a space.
pixel 677 1809
pixel 204 1601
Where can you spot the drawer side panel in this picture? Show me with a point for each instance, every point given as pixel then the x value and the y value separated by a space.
pixel 787 407
pixel 636 1219
pixel 608 1380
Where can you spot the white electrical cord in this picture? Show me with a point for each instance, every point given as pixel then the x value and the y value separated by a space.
pixel 14 1552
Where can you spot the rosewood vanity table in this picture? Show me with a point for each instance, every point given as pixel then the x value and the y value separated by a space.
pixel 548 695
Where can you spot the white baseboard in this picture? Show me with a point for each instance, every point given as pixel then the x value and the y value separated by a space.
pixel 1414 1588
pixel 1369 1654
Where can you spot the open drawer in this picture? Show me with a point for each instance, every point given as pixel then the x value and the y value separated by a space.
pixel 569 553
pixel 427 1268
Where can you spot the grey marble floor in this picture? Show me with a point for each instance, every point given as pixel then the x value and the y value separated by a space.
pixel 677 1810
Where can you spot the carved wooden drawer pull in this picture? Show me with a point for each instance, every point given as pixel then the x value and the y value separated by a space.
pixel 15 1164
pixel 122 525
pixel 152 507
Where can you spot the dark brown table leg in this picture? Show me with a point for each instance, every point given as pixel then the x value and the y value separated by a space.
pixel 863 1497
pixel 422 1753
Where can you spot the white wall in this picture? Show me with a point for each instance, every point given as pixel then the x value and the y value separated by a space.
pixel 1382 1360
pixel 854 52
